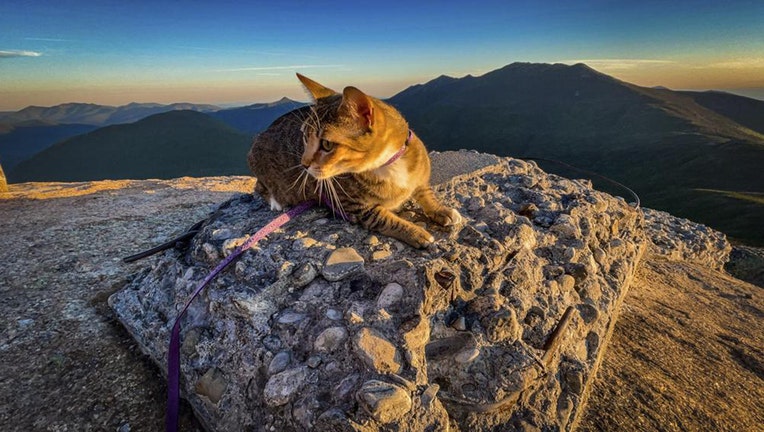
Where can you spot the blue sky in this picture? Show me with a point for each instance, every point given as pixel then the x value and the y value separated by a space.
pixel 221 52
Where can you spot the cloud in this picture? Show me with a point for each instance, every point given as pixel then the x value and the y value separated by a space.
pixel 620 64
pixel 277 68
pixel 750 63
pixel 18 53
pixel 47 39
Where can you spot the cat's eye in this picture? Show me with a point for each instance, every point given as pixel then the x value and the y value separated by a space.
pixel 327 146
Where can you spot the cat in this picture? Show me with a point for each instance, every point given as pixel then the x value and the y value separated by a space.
pixel 354 153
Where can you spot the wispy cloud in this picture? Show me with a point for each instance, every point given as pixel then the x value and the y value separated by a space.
pixel 751 63
pixel 42 39
pixel 620 64
pixel 18 53
pixel 277 68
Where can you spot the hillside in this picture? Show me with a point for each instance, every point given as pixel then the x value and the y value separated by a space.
pixel 21 141
pixel 253 119
pixel 677 154
pixel 746 111
pixel 168 145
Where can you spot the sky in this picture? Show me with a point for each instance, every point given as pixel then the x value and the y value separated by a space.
pixel 223 52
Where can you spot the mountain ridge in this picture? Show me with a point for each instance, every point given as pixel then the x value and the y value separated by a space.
pixel 166 145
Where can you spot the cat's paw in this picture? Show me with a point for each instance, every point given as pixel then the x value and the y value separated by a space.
pixel 420 238
pixel 447 217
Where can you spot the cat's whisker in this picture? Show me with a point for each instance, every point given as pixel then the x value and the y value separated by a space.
pixel 304 184
pixel 294 183
pixel 337 203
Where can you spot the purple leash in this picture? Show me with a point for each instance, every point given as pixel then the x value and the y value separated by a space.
pixel 173 354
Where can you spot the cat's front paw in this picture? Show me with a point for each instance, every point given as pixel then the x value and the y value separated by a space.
pixel 420 238
pixel 447 217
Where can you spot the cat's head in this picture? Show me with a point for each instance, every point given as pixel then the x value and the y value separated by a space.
pixel 349 132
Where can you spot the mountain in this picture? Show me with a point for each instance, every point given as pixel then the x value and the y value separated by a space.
pixel 253 119
pixel 167 145
pixel 23 140
pixel 93 114
pixel 677 153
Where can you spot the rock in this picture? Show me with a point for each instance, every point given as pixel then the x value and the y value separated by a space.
pixel 212 385
pixel 304 275
pixel 330 339
pixel 282 387
pixel 376 351
pixel 333 314
pixel 389 296
pixel 384 401
pixel 683 240
pixel 279 362
pixel 381 255
pixel 342 263
pixel 467 355
pixel 290 317
pixel 466 322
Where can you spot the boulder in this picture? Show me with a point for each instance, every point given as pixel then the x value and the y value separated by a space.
pixel 500 325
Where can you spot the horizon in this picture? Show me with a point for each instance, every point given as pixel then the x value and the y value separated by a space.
pixel 229 54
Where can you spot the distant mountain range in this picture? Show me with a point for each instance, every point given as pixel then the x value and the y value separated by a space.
pixel 97 115
pixel 695 154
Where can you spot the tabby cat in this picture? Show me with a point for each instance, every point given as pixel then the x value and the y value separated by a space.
pixel 354 153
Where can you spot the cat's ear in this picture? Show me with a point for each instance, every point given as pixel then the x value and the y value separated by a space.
pixel 317 90
pixel 356 104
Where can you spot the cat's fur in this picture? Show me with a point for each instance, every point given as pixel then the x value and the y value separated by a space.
pixel 336 151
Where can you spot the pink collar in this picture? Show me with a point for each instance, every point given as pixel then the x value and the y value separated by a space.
pixel 400 152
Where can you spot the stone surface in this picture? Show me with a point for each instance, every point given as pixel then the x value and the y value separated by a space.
pixel 384 401
pixel 482 314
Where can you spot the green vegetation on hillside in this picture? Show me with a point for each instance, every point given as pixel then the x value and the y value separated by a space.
pixel 173 144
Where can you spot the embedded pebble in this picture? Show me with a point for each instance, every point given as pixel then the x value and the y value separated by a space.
pixel 384 401
pixel 221 234
pixel 390 295
pixel 212 384
pixel 459 323
pixel 304 243
pixel 376 351
pixel 380 255
pixel 304 274
pixel 333 314
pixel 342 263
pixel 330 339
pixel 428 396
pixel 467 356
pixel 279 362
pixel 313 361
pixel 282 387
pixel 290 317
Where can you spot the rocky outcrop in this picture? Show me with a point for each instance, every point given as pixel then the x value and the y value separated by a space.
pixel 679 239
pixel 325 326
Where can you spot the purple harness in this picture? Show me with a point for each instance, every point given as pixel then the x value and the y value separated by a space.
pixel 173 353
